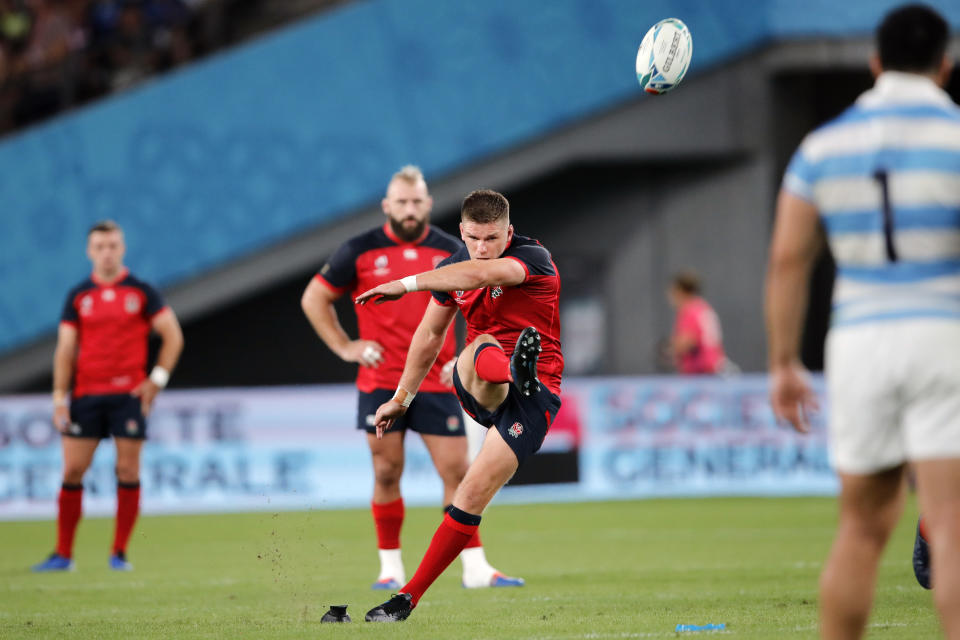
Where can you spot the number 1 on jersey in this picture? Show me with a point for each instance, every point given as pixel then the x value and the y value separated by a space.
pixel 882 178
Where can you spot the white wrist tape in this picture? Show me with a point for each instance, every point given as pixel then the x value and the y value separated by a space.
pixel 159 376
pixel 404 397
pixel 409 283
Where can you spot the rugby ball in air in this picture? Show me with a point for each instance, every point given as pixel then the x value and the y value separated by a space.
pixel 664 56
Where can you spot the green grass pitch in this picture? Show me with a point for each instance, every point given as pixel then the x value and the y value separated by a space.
pixel 597 570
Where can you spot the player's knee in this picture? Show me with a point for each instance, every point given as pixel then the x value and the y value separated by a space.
pixel 453 473
pixel 128 472
pixel 73 474
pixel 387 473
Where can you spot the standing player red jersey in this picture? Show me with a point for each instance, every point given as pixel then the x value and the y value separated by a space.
pixel 102 346
pixel 379 256
pixel 113 325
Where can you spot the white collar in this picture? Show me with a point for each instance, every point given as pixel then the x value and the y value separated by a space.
pixel 900 87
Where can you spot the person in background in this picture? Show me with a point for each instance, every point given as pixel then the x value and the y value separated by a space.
pixel 697 341
pixel 102 349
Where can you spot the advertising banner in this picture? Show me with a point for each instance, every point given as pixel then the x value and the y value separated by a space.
pixel 298 448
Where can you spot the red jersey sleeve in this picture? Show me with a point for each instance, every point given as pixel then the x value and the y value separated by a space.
pixel 340 271
pixel 70 315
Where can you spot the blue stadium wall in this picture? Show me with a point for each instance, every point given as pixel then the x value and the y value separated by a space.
pixel 299 128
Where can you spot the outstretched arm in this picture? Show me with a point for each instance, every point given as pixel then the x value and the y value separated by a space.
pixel 424 347
pixel 793 250
pixel 461 276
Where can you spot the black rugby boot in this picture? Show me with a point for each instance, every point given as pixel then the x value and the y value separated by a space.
pixel 523 362
pixel 396 609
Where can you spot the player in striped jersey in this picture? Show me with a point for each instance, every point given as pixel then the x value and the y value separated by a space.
pixel 883 180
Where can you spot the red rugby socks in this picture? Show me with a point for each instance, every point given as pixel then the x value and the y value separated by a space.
pixel 491 363
pixel 388 519
pixel 452 536
pixel 69 510
pixel 128 506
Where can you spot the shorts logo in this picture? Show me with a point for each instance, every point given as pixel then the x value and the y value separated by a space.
pixel 371 420
pixel 452 423
pixel 516 430
pixel 131 303
pixel 410 254
pixel 74 428
pixel 496 292
pixel 132 426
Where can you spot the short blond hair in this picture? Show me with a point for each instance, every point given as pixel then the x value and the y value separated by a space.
pixel 410 173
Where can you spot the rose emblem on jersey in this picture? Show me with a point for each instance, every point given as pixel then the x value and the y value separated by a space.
pixel 380 262
pixel 515 430
pixel 131 303
pixel 496 292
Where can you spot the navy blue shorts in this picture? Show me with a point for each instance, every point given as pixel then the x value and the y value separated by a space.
pixel 118 415
pixel 432 414
pixel 521 420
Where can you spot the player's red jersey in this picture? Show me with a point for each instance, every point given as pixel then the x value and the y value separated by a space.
pixel 371 259
pixel 504 312
pixel 113 326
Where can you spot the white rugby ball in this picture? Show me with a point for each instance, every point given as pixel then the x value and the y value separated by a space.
pixel 664 56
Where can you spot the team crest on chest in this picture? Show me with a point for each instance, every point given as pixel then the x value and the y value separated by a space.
pixel 515 430
pixel 131 303
pixel 496 292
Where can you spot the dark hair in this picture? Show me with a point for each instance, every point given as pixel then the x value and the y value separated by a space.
pixel 104 225
pixel 483 206
pixel 912 38
pixel 688 282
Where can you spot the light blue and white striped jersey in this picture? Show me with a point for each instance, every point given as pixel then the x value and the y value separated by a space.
pixel 885 177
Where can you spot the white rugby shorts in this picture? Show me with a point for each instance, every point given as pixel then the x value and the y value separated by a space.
pixel 894 390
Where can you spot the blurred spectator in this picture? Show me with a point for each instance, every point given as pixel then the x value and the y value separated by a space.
pixel 54 36
pixel 56 54
pixel 697 342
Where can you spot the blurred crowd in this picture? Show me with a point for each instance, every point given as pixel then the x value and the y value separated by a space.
pixel 60 53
